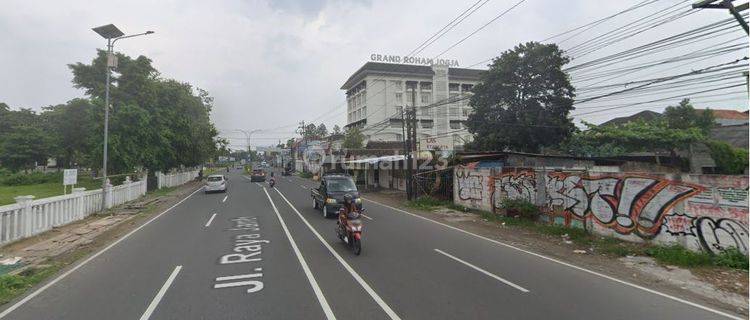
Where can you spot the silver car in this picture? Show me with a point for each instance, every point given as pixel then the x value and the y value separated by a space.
pixel 216 183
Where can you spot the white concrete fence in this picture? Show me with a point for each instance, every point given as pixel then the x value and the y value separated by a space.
pixel 175 179
pixel 29 217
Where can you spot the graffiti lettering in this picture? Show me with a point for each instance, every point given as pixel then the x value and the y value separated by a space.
pixel 516 185
pixel 720 234
pixel 469 185
pixel 631 204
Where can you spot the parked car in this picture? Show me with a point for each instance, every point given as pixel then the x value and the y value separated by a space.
pixel 329 196
pixel 258 175
pixel 215 183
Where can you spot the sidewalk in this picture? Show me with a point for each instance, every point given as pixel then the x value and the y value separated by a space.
pixel 721 287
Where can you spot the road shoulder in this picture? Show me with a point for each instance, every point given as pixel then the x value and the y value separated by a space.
pixel 672 280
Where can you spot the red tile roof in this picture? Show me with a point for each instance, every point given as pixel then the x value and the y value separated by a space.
pixel 728 114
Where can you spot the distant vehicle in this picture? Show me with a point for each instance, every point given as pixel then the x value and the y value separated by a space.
pixel 329 196
pixel 258 175
pixel 215 183
pixel 264 164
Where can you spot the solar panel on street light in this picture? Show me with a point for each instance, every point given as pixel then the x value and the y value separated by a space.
pixel 108 31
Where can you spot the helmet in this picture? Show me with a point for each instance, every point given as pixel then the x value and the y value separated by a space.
pixel 348 198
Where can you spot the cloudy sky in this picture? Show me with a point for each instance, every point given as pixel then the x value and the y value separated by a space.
pixel 270 64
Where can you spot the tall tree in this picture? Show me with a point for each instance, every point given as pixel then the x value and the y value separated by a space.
pixel 336 129
pixel 684 116
pixel 321 131
pixel 69 127
pixel 353 139
pixel 523 101
pixel 24 147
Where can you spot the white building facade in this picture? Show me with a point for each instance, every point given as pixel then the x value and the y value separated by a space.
pixel 378 93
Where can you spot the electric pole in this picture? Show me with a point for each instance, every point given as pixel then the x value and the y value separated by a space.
pixel 725 4
pixel 410 130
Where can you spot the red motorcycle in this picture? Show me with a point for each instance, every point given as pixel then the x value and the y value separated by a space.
pixel 349 230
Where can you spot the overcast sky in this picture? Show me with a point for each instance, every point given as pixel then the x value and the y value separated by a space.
pixel 273 63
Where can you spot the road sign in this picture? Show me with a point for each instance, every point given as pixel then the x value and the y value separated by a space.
pixel 70 177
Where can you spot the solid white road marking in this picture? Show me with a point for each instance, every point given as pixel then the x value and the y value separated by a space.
pixel 366 216
pixel 160 294
pixel 313 283
pixel 62 276
pixel 392 314
pixel 721 313
pixel 522 289
pixel 225 198
pixel 210 219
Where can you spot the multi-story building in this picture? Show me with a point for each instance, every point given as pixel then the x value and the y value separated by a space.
pixel 377 94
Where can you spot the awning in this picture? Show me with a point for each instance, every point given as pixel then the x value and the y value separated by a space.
pixel 378 159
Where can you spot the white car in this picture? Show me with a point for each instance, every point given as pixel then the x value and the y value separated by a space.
pixel 216 183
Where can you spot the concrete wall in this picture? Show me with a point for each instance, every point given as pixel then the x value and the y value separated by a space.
pixel 699 212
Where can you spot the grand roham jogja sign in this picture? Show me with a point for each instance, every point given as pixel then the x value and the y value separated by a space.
pixel 413 60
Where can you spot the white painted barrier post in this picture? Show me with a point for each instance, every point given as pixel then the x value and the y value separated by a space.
pixel 80 205
pixel 108 195
pixel 128 185
pixel 26 213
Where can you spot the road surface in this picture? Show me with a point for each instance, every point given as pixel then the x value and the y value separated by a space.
pixel 259 253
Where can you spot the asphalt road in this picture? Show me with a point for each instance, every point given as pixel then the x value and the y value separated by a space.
pixel 259 253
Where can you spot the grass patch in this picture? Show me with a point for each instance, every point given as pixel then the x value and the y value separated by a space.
pixel 679 256
pixel 426 203
pixel 162 191
pixel 43 190
pixel 13 285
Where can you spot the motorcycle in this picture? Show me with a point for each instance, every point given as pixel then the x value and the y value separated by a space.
pixel 271 182
pixel 350 231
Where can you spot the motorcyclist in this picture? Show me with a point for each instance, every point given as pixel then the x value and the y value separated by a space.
pixel 348 210
pixel 272 181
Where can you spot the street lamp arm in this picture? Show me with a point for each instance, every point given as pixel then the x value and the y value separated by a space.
pixel 131 36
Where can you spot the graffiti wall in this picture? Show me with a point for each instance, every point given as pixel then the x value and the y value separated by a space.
pixel 700 212
pixel 471 187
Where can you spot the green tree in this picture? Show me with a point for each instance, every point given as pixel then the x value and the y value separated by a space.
pixel 353 139
pixel 24 147
pixel 336 129
pixel 638 136
pixel 523 101
pixel 322 131
pixel 728 160
pixel 684 116
pixel 70 129
pixel 155 123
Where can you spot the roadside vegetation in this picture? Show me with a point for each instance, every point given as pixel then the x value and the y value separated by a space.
pixel 523 214
pixel 40 185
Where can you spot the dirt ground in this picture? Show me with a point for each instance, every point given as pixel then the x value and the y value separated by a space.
pixel 66 244
pixel 722 288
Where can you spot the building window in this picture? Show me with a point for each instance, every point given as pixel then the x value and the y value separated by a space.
pixel 453 87
pixel 399 110
pixel 399 97
pixel 455 124
pixel 425 111
pixel 425 97
pixel 466 87
pixel 364 97
pixel 364 112
pixel 396 85
pixel 427 124
pixel 396 123
pixel 425 86
pixel 453 112
pixel 399 137
pixel 466 112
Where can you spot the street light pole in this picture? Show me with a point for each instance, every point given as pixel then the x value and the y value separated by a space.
pixel 112 34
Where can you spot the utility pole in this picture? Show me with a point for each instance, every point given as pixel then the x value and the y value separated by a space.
pixel 725 4
pixel 410 130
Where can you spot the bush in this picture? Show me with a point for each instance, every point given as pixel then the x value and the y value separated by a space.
pixel 679 256
pixel 728 160
pixel 520 207
pixel 426 203
pixel 306 175
pixel 731 258
pixel 21 179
